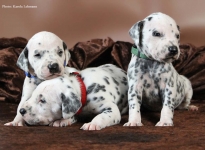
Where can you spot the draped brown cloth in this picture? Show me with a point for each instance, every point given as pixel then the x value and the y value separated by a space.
pixel 93 53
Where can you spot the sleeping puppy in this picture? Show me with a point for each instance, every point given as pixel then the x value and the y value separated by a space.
pixel 44 57
pixel 153 81
pixel 101 91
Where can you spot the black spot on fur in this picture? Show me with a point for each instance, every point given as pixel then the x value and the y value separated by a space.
pixel 124 81
pixel 90 88
pixel 106 110
pixel 115 81
pixel 64 46
pixel 131 89
pixel 178 27
pixel 70 104
pixel 150 18
pixel 99 87
pixel 106 80
pixel 140 29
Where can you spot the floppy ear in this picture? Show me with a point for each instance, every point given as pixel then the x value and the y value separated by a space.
pixel 70 104
pixel 178 27
pixel 22 61
pixel 136 32
pixel 67 54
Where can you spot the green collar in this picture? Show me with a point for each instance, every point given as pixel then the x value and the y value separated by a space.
pixel 136 52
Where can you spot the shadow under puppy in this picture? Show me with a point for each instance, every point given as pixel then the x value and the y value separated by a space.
pixel 55 102
pixel 153 81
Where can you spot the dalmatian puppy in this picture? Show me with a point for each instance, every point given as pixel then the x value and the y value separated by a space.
pixel 56 102
pixel 44 57
pixel 153 81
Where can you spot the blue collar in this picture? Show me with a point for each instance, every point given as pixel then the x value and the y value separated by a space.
pixel 64 63
pixel 29 75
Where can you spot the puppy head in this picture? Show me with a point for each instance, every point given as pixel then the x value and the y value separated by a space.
pixel 49 103
pixel 157 36
pixel 44 56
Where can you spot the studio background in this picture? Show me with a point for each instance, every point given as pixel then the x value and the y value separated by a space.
pixel 81 20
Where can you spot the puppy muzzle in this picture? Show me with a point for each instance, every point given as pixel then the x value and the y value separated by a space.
pixel 173 50
pixel 53 68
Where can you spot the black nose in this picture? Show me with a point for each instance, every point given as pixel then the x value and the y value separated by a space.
pixel 173 50
pixel 54 68
pixel 22 111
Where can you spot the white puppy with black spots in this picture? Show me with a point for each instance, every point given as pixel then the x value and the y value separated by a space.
pixel 55 102
pixel 153 81
pixel 44 57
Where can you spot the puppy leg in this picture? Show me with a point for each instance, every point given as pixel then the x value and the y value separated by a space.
pixel 167 111
pixel 186 102
pixel 135 101
pixel 110 115
pixel 63 122
pixel 166 117
pixel 28 88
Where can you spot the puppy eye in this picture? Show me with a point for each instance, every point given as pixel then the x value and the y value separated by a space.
pixel 42 101
pixel 157 34
pixel 177 36
pixel 37 55
pixel 60 53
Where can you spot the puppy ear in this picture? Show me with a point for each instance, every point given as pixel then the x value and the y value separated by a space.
pixel 67 54
pixel 178 27
pixel 70 104
pixel 22 61
pixel 136 32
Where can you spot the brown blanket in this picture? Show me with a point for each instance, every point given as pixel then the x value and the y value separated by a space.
pixel 91 54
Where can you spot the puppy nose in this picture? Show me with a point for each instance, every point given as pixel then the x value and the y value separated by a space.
pixel 173 50
pixel 54 68
pixel 22 111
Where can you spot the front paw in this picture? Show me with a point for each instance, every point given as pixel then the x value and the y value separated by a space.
pixel 131 123
pixel 61 123
pixel 91 126
pixel 16 123
pixel 164 123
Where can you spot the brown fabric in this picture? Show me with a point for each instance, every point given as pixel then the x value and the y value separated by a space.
pixel 94 53
pixel 188 133
pixel 97 52
pixel 11 77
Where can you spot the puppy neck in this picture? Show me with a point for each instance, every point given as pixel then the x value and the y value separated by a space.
pixel 83 90
pixel 137 52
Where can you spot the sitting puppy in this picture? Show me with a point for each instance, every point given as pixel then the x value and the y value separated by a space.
pixel 44 57
pixel 153 81
pixel 55 102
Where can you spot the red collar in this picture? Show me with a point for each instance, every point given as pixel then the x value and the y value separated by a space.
pixel 83 91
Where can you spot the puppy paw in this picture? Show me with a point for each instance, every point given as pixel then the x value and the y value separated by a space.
pixel 164 123
pixel 16 123
pixel 91 126
pixel 193 108
pixel 133 124
pixel 61 123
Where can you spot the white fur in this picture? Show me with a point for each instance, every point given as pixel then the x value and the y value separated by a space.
pixel 106 98
pixel 154 82
pixel 48 46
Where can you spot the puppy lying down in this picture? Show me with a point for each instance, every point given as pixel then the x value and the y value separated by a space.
pixel 102 91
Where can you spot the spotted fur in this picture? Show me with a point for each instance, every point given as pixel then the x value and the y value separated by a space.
pixel 153 82
pixel 63 99
pixel 43 58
